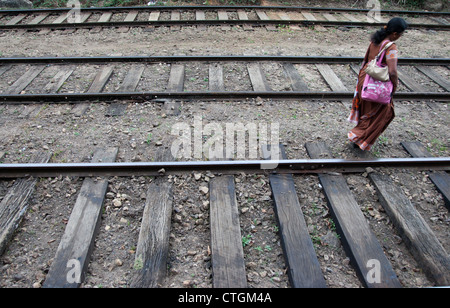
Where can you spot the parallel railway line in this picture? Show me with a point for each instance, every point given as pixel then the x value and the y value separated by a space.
pixel 228 264
pixel 246 16
pixel 253 166
pixel 137 78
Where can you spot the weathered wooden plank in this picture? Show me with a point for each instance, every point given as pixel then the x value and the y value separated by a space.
pixel 97 85
pixel 259 82
pixel 331 78
pixel 350 17
pixel 223 15
pixel 16 19
pixel 409 82
pixel 73 253
pixel 360 243
pixel 131 16
pixel 101 79
pixel 58 80
pixel 227 254
pixel 441 179
pixel 132 79
pixel 200 15
pixel 176 78
pixel 285 16
pixel 20 84
pixel 440 20
pixel 444 83
pixel 175 15
pixel 415 149
pixel 297 82
pixel 106 16
pixel 83 17
pixel 416 233
pixel 329 16
pixel 154 16
pixel 15 203
pixel 308 16
pixel 274 15
pixel 303 267
pixel 176 84
pixel 371 17
pixel 4 69
pixel 216 78
pixel 355 68
pixel 38 19
pixel 311 17
pixel 79 109
pixel 153 244
pixel 263 16
pixel 60 18
pixel 242 15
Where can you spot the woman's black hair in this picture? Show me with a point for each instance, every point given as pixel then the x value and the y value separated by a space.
pixel 396 24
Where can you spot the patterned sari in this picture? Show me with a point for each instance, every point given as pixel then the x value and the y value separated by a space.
pixel 371 119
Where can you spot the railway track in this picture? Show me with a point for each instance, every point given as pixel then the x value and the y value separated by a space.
pixel 79 236
pixel 228 265
pixel 80 79
pixel 248 17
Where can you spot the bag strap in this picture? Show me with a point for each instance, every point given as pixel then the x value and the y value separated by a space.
pixel 386 46
pixel 380 55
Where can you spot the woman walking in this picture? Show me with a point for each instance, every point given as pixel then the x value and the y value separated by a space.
pixel 373 118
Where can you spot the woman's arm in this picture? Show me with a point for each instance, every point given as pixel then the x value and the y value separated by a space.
pixel 391 61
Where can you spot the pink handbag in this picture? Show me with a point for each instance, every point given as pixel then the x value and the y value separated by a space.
pixel 375 90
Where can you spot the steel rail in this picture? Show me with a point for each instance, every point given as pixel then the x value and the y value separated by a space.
pixel 227 58
pixel 218 7
pixel 256 166
pixel 239 95
pixel 216 22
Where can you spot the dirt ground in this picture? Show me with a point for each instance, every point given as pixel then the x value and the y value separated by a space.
pixel 145 129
